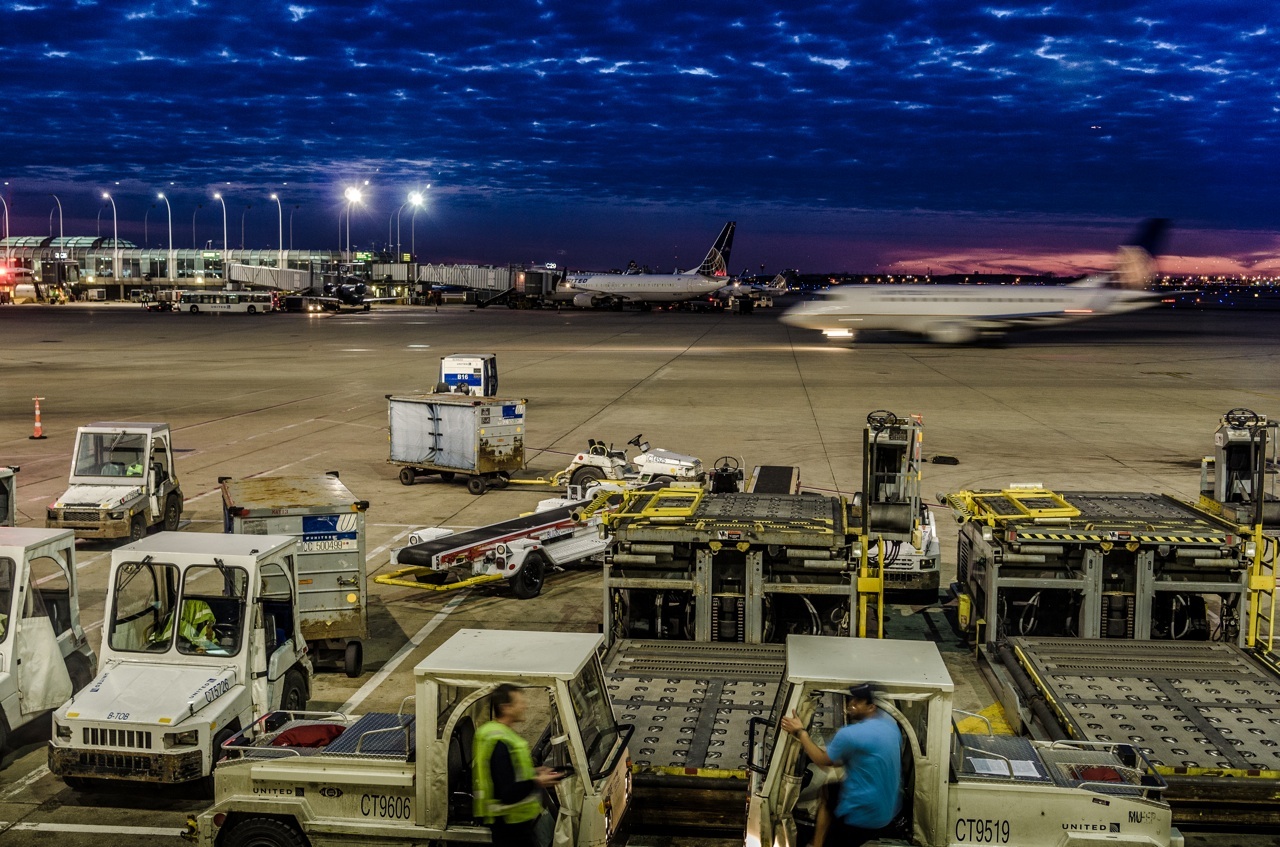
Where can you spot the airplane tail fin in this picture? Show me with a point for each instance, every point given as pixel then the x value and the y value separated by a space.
pixel 778 285
pixel 1135 262
pixel 717 261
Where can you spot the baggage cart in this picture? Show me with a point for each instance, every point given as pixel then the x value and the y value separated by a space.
pixel 451 435
pixel 328 522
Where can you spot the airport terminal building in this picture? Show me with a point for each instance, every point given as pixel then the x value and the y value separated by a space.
pixel 101 268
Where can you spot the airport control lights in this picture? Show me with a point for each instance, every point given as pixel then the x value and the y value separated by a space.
pixel 169 209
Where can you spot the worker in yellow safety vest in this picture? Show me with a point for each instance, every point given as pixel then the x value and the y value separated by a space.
pixel 195 627
pixel 506 787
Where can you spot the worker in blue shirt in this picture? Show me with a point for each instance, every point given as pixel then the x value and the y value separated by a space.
pixel 869 748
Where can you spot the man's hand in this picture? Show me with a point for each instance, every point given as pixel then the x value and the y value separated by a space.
pixel 546 777
pixel 791 724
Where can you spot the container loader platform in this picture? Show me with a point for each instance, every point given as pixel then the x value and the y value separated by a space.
pixel 1135 618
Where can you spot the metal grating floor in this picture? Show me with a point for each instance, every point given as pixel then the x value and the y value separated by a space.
pixel 1184 704
pixel 690 703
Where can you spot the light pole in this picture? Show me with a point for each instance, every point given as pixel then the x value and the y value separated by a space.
pixel 195 245
pixel 218 197
pixel 247 207
pixel 169 210
pixel 353 196
pixel 417 200
pixel 115 241
pixel 8 249
pixel 291 211
pixel 280 218
pixel 146 237
pixel 59 202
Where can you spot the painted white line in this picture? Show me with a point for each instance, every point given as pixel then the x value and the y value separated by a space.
pixel 18 787
pixel 369 557
pixel 96 828
pixel 402 654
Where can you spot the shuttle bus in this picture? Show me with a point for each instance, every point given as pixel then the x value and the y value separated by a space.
pixel 251 302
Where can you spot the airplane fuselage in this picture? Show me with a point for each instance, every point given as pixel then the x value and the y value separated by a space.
pixel 959 312
pixel 644 288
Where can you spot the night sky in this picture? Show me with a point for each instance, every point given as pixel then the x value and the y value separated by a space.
pixel 867 136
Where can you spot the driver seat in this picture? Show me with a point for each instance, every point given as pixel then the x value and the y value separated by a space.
pixel 461 742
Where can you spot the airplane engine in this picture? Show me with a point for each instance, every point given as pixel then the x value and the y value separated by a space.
pixel 584 301
pixel 952 333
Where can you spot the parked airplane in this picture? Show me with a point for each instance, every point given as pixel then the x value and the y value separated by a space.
pixel 755 290
pixel 349 292
pixel 646 289
pixel 959 314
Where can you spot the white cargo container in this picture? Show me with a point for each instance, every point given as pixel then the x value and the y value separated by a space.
pixel 328 522
pixel 453 434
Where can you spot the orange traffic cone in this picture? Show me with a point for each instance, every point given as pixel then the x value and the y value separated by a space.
pixel 39 430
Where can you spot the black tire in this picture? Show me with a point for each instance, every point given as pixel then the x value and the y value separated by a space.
pixel 172 513
pixel 586 475
pixel 263 832
pixel 527 584
pixel 368 306
pixel 500 481
pixel 253 310
pixel 195 310
pixel 79 671
pixel 353 659
pixel 663 479
pixel 408 476
pixel 447 476
pixel 222 737
pixel 137 528
pixel 294 696
pixel 477 485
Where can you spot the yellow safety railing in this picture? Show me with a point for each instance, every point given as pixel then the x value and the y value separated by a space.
pixel 1261 632
pixel 870 588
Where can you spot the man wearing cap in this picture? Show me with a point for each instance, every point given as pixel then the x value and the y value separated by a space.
pixel 869 749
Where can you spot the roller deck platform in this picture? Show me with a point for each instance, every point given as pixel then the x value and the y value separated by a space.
pixel 691 704
pixel 1206 714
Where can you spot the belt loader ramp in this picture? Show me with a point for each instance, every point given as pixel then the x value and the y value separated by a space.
pixel 1129 617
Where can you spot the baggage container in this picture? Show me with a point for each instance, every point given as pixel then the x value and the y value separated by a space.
pixel 328 522
pixel 450 435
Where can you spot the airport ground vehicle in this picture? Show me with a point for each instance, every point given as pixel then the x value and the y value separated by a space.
pixel 406 778
pixel 164 300
pixel 1175 600
pixel 123 481
pixel 957 788
pixel 200 639
pixel 8 496
pixel 451 435
pixel 48 656
pixel 562 532
pixel 601 462
pixel 1238 482
pixel 469 373
pixel 247 302
pixel 328 522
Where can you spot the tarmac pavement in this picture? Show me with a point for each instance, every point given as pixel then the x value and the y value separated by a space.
pixel 1115 404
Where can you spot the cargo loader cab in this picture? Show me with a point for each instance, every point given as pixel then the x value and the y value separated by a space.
pixel 958 788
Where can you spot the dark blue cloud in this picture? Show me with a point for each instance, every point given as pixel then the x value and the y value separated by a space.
pixel 551 127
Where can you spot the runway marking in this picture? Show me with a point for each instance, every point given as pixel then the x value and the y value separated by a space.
pixel 28 780
pixel 24 826
pixel 402 654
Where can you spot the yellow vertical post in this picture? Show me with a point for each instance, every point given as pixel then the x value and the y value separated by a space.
pixel 870 584
pixel 1262 591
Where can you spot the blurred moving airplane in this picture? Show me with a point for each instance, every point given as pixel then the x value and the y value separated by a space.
pixel 644 290
pixel 960 314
